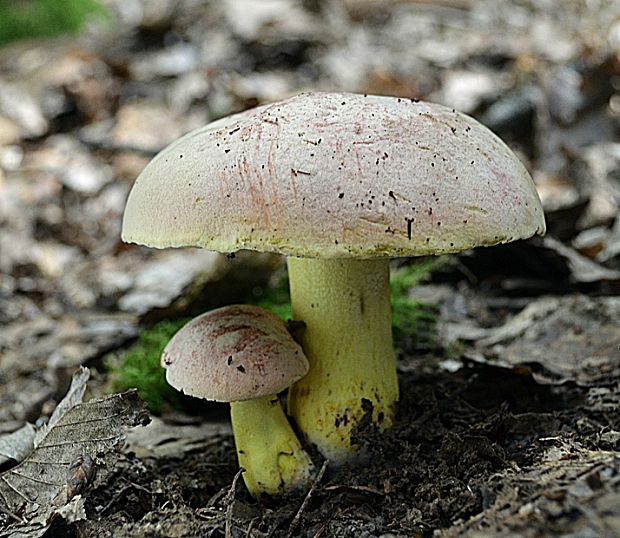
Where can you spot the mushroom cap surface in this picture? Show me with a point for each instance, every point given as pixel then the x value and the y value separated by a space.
pixel 336 175
pixel 233 353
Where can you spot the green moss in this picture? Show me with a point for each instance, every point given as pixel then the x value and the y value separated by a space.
pixel 139 367
pixel 27 19
pixel 414 323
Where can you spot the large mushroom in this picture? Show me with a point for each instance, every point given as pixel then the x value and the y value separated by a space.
pixel 340 183
pixel 244 355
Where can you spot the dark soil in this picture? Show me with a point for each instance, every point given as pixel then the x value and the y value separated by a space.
pixel 476 442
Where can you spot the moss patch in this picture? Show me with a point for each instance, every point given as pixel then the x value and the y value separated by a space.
pixel 139 367
pixel 29 19
pixel 414 323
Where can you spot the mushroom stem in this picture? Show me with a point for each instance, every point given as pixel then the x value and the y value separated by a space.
pixel 267 448
pixel 345 304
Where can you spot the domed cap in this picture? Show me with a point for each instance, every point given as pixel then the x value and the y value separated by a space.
pixel 336 175
pixel 234 353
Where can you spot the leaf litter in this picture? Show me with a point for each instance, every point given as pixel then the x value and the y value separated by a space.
pixel 508 426
pixel 39 487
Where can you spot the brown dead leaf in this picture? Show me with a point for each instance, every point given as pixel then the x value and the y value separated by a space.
pixel 35 489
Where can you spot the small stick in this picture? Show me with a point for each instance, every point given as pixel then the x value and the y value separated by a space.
pixel 250 527
pixel 304 504
pixel 11 515
pixel 230 500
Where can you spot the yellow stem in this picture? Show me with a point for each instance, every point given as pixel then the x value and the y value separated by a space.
pixel 345 305
pixel 268 448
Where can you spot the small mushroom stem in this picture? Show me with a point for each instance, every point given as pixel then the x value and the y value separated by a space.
pixel 345 304
pixel 267 447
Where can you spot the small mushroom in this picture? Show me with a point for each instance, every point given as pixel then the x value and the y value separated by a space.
pixel 340 183
pixel 244 355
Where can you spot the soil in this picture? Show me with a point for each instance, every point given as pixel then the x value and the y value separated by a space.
pixel 484 448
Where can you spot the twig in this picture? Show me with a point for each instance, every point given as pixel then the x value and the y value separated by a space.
pixel 304 504
pixel 230 502
pixel 250 527
pixel 320 532
pixel 11 515
pixel 116 497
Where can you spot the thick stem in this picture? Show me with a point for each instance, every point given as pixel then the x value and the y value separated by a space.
pixel 268 448
pixel 345 305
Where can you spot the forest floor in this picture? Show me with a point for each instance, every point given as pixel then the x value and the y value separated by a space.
pixel 509 418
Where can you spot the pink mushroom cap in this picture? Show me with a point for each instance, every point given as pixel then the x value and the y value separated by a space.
pixel 336 175
pixel 234 353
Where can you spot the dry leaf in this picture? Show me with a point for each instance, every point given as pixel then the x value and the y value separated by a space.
pixel 36 489
pixel 17 445
pixel 582 269
pixel 162 440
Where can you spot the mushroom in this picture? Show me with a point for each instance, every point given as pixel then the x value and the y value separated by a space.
pixel 339 183
pixel 244 355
